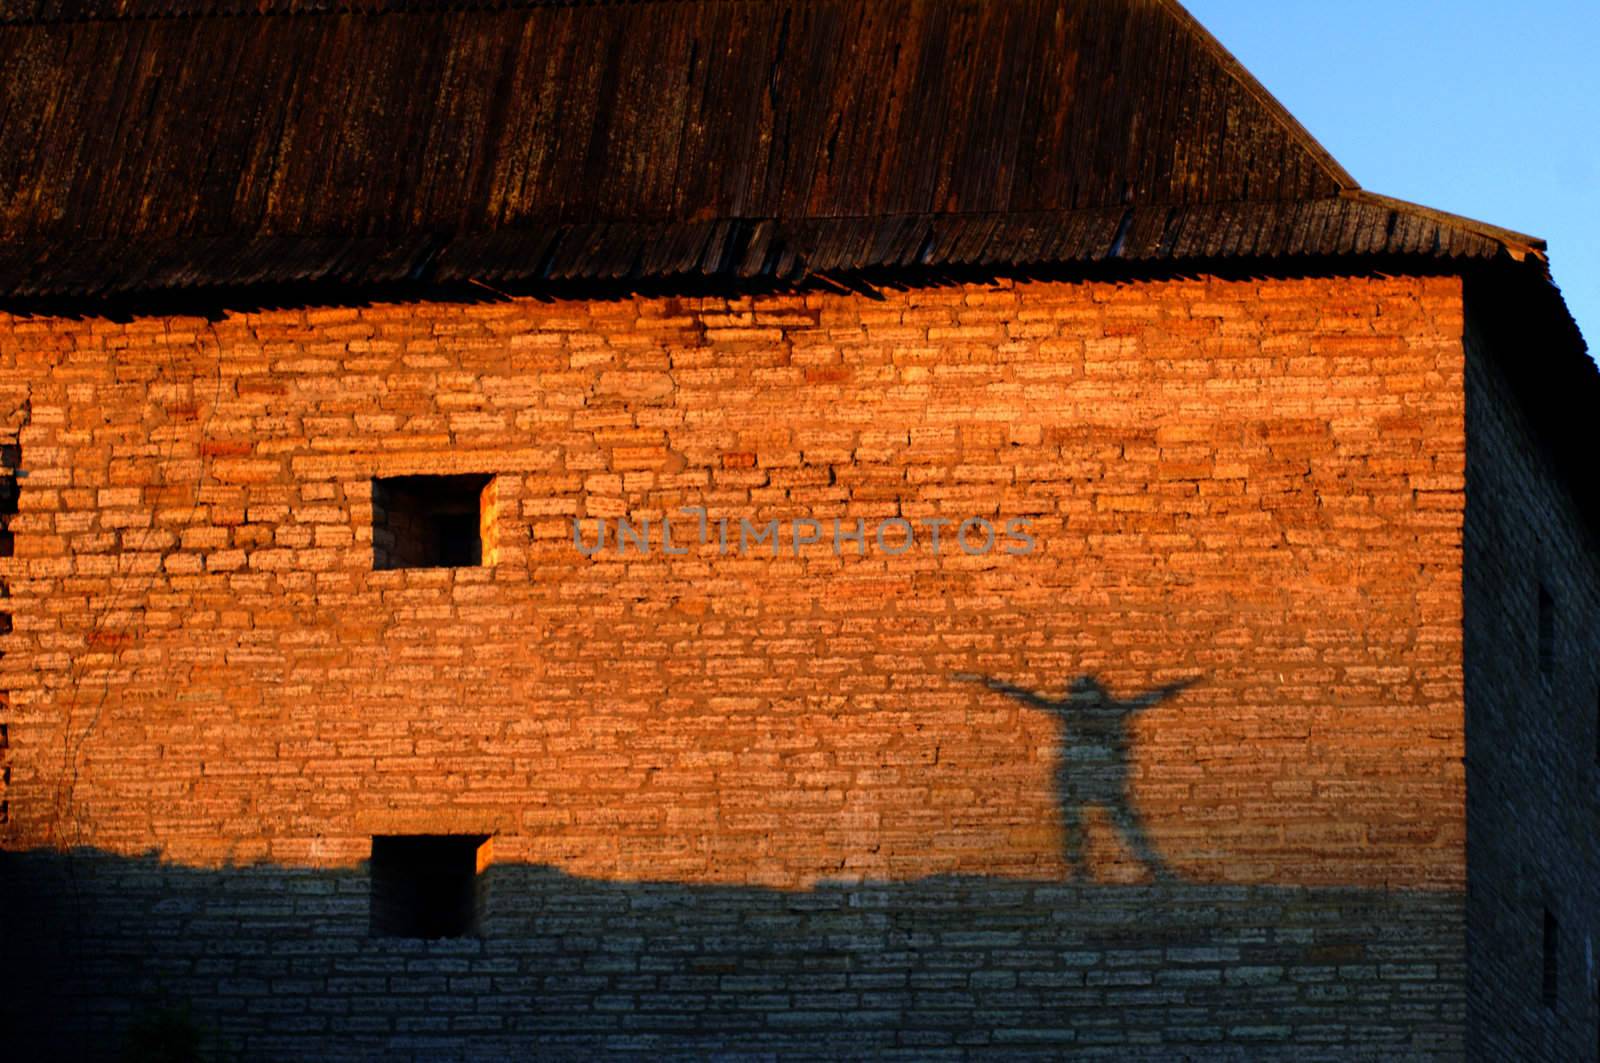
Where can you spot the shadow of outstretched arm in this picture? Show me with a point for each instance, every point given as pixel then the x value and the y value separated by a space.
pixel 1011 690
pixel 1155 697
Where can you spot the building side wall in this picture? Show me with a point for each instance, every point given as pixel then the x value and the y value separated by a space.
pixel 1533 767
pixel 1255 486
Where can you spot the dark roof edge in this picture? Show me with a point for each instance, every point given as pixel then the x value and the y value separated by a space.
pixel 1356 225
pixel 1255 88
pixel 1518 245
pixel 218 299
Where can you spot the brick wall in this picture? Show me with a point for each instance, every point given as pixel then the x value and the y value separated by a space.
pixel 1533 766
pixel 1256 485
pixel 10 462
pixel 269 962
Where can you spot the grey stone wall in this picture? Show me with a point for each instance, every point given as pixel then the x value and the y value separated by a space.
pixel 272 963
pixel 1533 781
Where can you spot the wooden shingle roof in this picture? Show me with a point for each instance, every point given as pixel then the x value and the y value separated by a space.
pixel 150 145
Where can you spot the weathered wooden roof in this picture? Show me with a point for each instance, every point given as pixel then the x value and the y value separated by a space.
pixel 164 144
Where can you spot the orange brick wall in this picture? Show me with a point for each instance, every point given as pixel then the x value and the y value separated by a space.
pixel 1256 484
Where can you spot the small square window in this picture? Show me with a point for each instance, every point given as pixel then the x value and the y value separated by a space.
pixel 1552 970
pixel 426 885
pixel 430 521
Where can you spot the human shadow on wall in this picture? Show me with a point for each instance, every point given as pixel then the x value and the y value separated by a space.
pixel 1093 761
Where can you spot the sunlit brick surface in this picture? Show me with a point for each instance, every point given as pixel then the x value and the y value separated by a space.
pixel 1257 484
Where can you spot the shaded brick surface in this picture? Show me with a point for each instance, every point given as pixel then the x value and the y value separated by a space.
pixel 1533 765
pixel 273 962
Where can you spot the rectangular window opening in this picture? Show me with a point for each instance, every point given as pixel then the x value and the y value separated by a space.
pixel 432 521
pixel 10 465
pixel 1552 971
pixel 426 885
pixel 1547 631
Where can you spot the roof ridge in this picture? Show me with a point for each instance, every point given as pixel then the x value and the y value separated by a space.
pixel 1248 81
pixel 58 12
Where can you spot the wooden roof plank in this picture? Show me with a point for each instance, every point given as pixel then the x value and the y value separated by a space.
pixel 648 139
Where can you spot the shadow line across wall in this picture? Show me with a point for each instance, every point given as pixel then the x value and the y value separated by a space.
pixel 106 953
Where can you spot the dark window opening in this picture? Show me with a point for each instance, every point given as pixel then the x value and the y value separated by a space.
pixel 10 463
pixel 1552 972
pixel 425 885
pixel 428 521
pixel 1547 631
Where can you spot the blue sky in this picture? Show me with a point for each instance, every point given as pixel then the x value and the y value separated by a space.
pixel 1488 109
